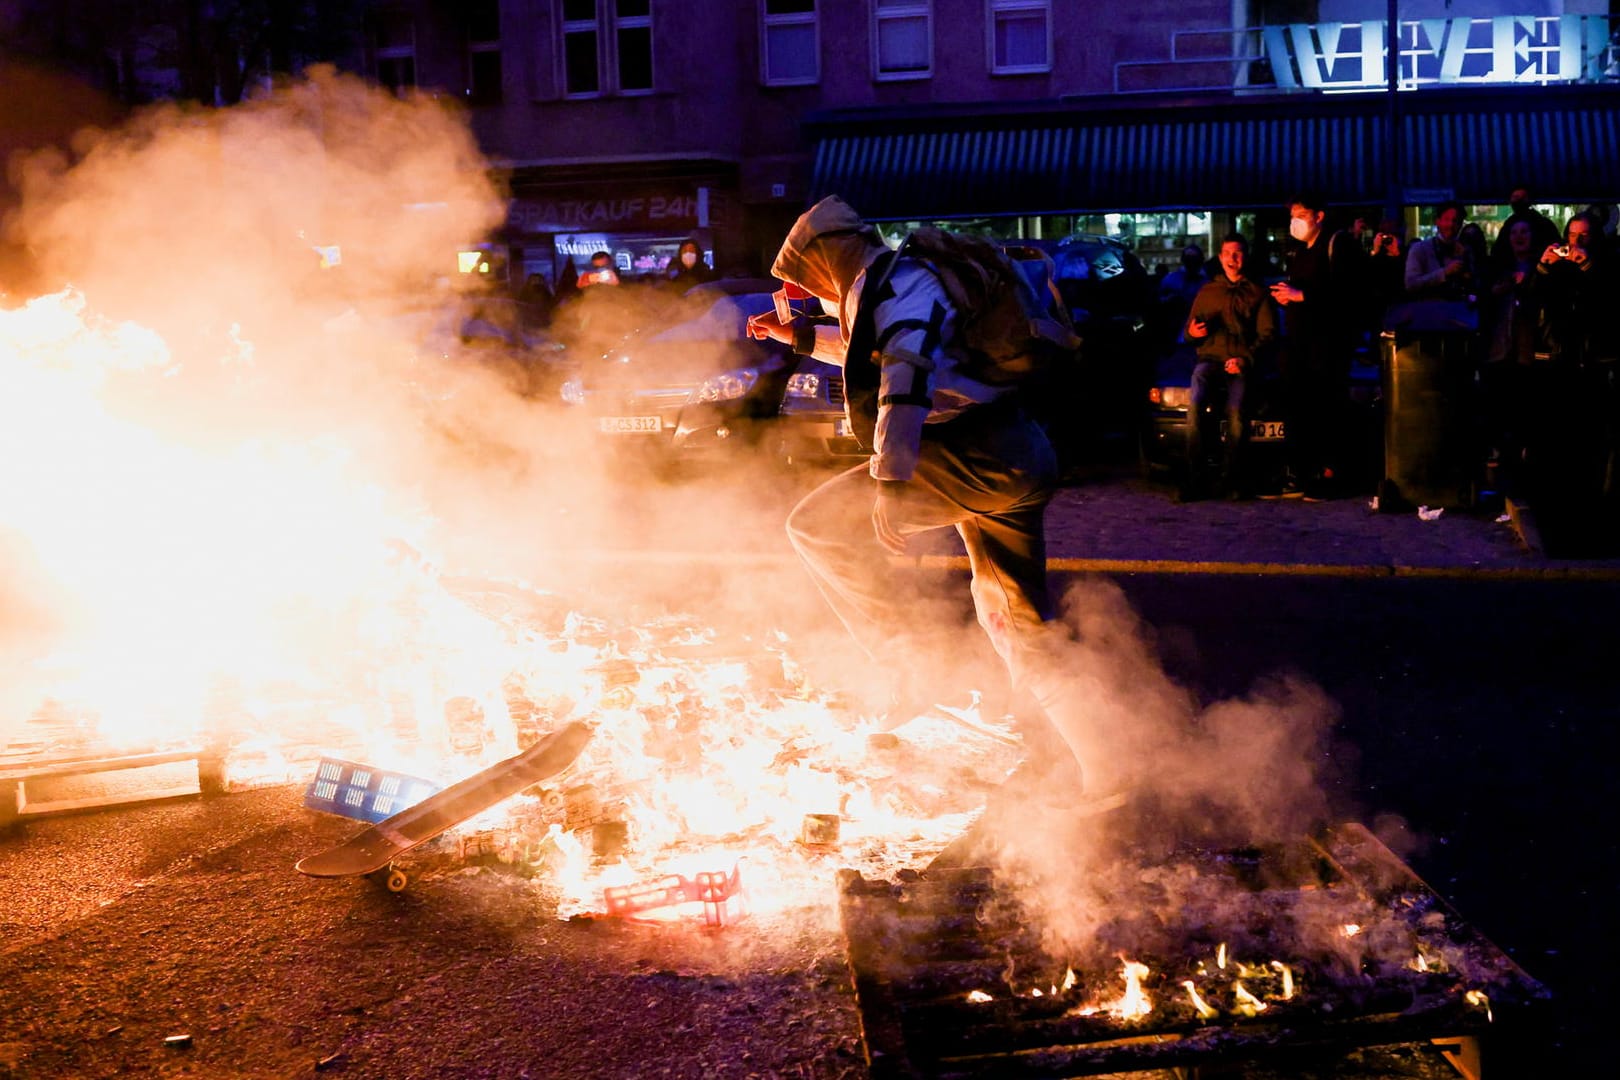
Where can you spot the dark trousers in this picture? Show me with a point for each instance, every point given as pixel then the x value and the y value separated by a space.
pixel 990 476
pixel 1209 379
pixel 1315 385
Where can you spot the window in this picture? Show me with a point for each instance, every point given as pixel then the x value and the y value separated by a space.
pixel 790 50
pixel 484 52
pixel 632 42
pixel 1020 36
pixel 396 50
pixel 607 47
pixel 580 75
pixel 902 39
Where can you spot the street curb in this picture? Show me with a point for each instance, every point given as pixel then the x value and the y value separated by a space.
pixel 1240 569
pixel 1069 565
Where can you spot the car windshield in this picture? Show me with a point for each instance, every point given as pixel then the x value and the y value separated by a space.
pixel 724 320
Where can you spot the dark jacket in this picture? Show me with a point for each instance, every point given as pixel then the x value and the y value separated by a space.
pixel 1239 319
pixel 1576 307
pixel 1330 274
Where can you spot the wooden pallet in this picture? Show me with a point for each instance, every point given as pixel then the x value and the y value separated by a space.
pixel 16 776
pixel 918 946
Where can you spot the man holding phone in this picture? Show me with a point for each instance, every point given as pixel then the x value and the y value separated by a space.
pixel 1232 321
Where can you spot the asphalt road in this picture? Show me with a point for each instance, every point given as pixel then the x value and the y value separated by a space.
pixel 1481 713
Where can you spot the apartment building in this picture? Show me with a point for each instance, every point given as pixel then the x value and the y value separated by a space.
pixel 631 125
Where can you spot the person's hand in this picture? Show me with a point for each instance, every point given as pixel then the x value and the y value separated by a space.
pixel 767 325
pixel 1197 328
pixel 1552 254
pixel 1454 267
pixel 1234 365
pixel 885 512
pixel 1577 254
pixel 1518 277
pixel 1284 293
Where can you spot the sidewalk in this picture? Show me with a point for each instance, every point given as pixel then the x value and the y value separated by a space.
pixel 1115 522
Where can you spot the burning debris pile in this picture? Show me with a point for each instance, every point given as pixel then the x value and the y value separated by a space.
pixel 1204 957
pixel 715 763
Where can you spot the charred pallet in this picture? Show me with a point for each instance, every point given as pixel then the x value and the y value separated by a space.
pixel 953 978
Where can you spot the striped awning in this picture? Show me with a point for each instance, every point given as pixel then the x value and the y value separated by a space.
pixel 1242 152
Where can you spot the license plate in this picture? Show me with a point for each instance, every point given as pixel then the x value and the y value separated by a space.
pixel 630 425
pixel 1265 430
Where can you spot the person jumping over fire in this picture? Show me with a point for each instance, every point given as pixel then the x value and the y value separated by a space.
pixel 946 450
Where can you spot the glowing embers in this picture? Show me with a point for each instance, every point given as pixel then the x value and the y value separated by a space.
pixel 1217 958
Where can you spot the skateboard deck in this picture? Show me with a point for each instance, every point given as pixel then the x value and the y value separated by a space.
pixel 376 847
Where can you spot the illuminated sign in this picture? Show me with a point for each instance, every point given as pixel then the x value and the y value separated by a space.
pixel 1522 49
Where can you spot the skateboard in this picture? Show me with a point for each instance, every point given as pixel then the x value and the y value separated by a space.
pixel 374 850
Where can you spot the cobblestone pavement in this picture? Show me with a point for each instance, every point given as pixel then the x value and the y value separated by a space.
pixel 1111 520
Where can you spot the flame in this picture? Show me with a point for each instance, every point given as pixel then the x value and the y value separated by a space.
pixel 1287 979
pixel 1204 1010
pixel 1134 1003
pixel 979 997
pixel 1478 999
pixel 1351 929
pixel 1069 980
pixel 269 588
pixel 1220 956
pixel 1244 1002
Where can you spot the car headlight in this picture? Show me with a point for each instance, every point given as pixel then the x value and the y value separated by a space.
pixel 1171 397
pixel 728 387
pixel 804 384
pixel 573 391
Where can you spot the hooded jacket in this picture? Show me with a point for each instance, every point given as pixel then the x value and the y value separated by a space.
pixel 828 253
pixel 1238 318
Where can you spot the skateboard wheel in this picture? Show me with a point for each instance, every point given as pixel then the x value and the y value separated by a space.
pixel 397 881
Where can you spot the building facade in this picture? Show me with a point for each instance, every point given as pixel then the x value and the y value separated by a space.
pixel 631 125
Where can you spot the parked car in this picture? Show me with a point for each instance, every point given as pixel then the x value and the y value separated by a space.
pixel 1164 435
pixel 696 389
pixel 507 336
pixel 813 429
pixel 1093 407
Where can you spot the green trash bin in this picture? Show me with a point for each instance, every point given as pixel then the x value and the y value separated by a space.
pixel 1427 383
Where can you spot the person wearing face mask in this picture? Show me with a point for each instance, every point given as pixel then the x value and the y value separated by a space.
pixel 1320 300
pixel 946 450
pixel 1442 267
pixel 687 268
pixel 1542 229
pixel 1571 457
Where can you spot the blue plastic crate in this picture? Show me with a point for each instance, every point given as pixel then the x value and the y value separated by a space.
pixel 363 792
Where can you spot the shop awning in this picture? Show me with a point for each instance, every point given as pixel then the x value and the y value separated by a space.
pixel 1475 145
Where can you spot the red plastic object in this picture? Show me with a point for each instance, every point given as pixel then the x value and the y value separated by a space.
pixel 720 893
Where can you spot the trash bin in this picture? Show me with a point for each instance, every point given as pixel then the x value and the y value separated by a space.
pixel 1426 374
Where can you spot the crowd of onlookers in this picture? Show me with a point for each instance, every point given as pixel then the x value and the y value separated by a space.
pixel 1530 314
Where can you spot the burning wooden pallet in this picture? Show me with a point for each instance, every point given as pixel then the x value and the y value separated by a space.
pixel 952 979
pixel 31 787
